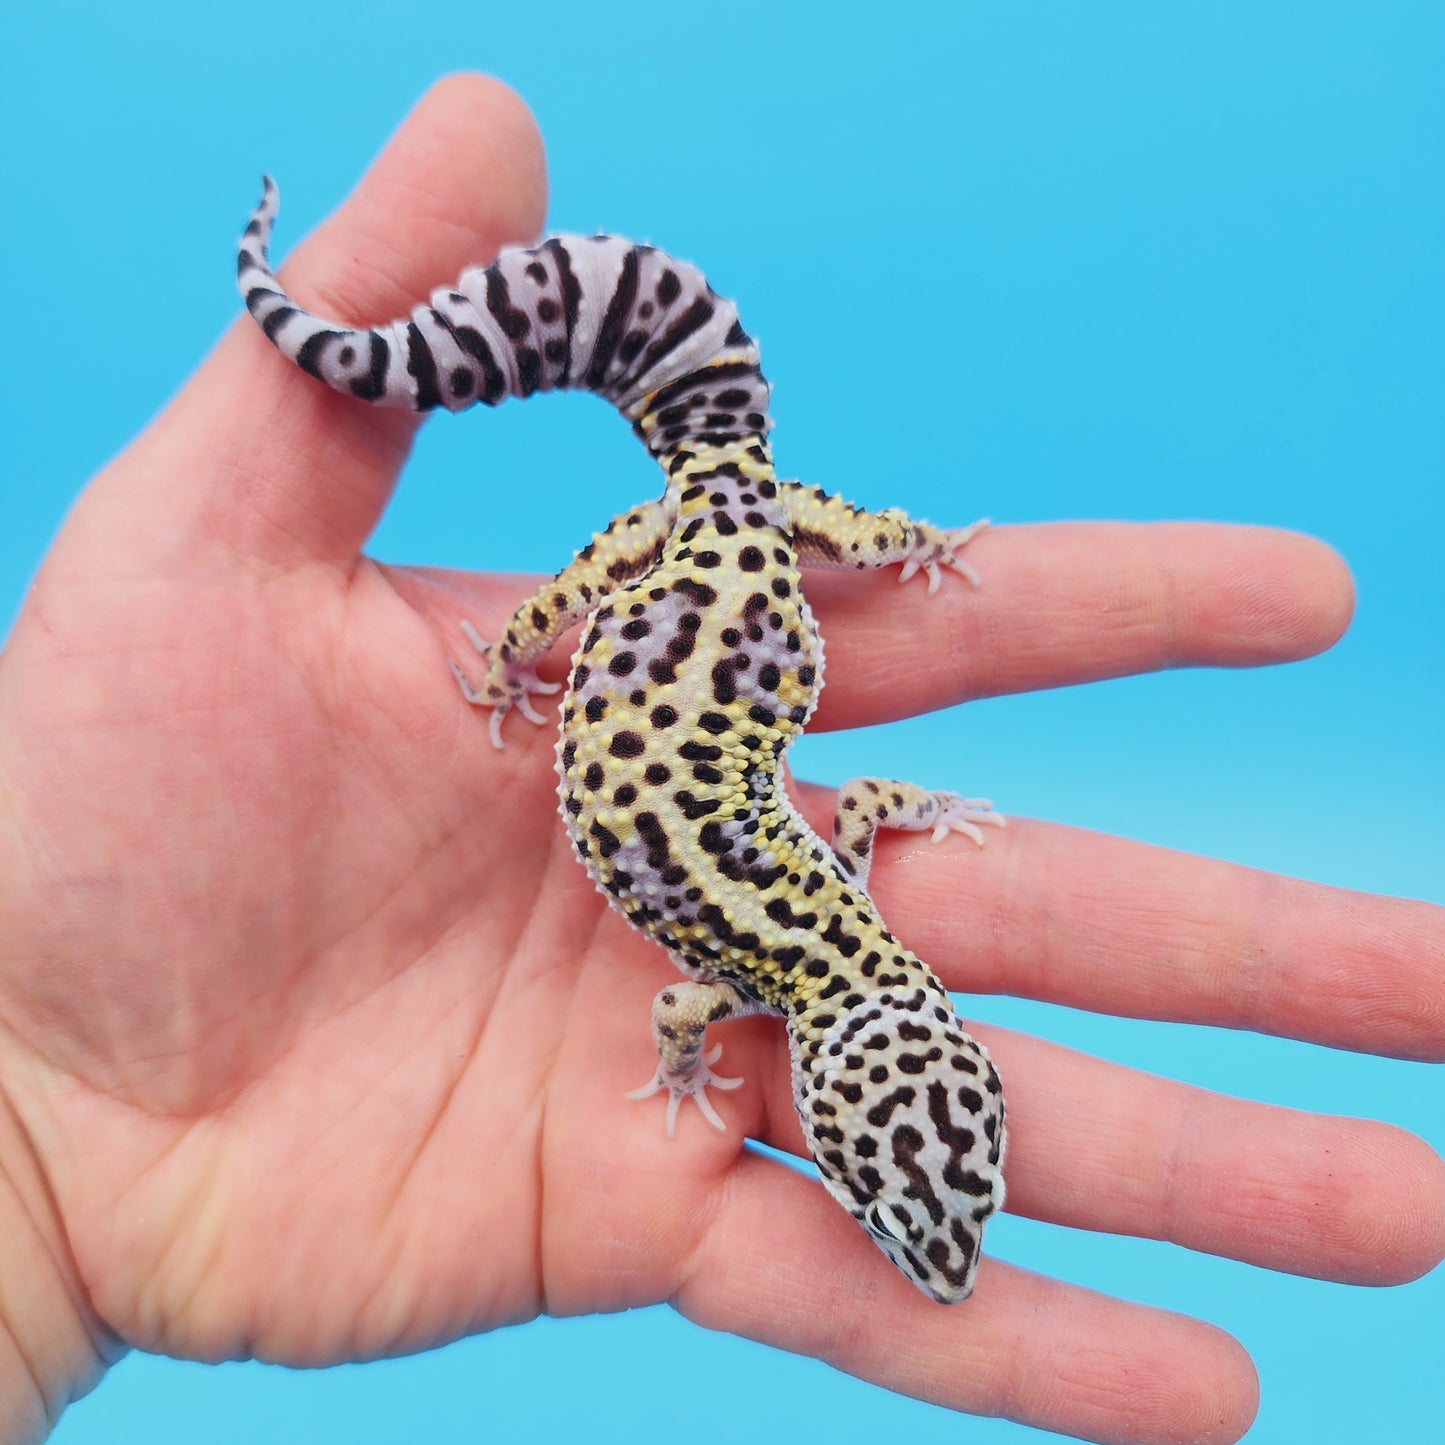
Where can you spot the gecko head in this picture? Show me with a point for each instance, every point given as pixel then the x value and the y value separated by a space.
pixel 905 1118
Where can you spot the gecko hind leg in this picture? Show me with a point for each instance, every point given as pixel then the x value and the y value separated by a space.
pixel 867 804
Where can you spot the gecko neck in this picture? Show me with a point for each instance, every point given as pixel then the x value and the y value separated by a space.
pixel 725 486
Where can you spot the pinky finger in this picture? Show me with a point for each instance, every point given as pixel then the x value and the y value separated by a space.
pixel 781 1266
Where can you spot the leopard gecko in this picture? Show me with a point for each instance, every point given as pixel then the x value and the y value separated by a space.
pixel 699 663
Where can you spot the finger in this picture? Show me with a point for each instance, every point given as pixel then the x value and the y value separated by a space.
pixel 279 467
pixel 1097 1146
pixel 1060 604
pixel 1100 923
pixel 781 1264
pixel 1074 602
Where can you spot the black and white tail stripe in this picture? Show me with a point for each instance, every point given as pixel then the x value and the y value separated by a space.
pixel 594 313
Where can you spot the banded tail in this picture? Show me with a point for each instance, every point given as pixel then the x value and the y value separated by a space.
pixel 595 313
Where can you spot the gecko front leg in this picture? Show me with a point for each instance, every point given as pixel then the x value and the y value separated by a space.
pixel 628 546
pixel 680 1015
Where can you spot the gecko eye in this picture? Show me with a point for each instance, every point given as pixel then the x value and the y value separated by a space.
pixel 886 1219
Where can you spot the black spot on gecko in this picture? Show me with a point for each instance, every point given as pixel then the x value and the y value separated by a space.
pixel 697 752
pixel 907 1144
pixel 724 682
pixel 883 1110
pixel 694 808
pixel 916 1063
pixel 695 591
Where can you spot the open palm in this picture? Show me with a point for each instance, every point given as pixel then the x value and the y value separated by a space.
pixel 319 1036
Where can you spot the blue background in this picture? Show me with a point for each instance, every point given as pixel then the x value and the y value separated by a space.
pixel 1115 261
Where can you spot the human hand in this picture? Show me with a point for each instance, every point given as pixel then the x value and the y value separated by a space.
pixel 316 1036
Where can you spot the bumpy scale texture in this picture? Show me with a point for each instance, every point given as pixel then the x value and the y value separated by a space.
pixel 699 664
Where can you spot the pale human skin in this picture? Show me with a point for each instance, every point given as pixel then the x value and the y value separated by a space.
pixel 315 1037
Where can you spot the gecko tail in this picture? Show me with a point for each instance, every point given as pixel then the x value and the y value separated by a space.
pixel 366 363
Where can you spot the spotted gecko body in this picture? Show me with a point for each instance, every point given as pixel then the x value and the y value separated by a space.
pixel 699 664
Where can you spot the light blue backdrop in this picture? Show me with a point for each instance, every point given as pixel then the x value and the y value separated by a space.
pixel 1131 261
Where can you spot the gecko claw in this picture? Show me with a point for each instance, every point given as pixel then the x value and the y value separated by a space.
pixel 935 549
pixel 692 1086
pixel 963 815
pixel 505 686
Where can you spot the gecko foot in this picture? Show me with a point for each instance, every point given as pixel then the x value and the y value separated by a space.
pixel 937 547
pixel 505 686
pixel 693 1085
pixel 963 815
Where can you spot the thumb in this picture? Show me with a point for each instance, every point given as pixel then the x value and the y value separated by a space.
pixel 254 457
